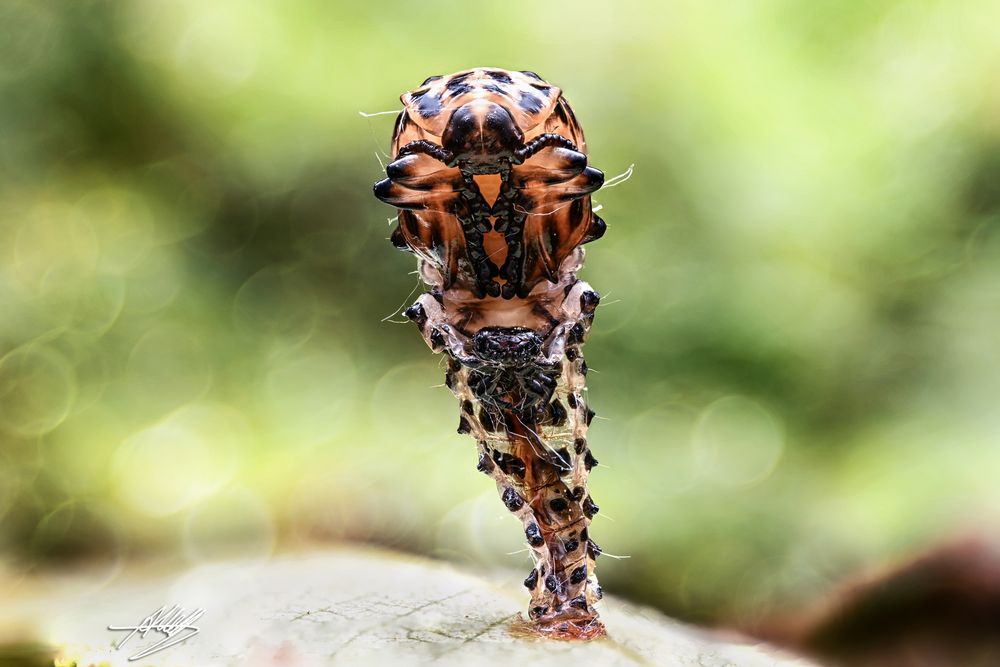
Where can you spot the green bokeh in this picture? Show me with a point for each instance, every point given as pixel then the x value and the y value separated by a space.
pixel 798 353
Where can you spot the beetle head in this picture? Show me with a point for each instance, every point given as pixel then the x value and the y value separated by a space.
pixel 480 135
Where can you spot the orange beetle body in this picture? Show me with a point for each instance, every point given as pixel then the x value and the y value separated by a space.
pixel 490 175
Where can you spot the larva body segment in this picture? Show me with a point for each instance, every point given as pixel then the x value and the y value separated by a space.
pixel 491 178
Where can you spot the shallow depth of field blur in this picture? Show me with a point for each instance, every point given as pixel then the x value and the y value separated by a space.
pixel 797 360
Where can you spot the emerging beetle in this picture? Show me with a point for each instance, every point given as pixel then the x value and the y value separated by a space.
pixel 490 175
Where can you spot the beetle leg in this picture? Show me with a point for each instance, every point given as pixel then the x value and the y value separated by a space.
pixel 540 142
pixel 427 148
pixel 475 223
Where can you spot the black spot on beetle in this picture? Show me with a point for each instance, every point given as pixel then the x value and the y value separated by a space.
pixel 558 504
pixel 513 501
pixel 580 602
pixel 502 77
pixel 571 545
pixel 579 445
pixel 578 575
pixel 531 101
pixel 590 508
pixel 534 535
pixel 429 106
pixel 458 88
pixel 532 580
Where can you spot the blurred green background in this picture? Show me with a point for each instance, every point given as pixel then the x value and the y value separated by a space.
pixel 798 357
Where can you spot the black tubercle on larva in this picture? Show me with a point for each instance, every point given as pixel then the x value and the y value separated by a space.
pixel 590 416
pixel 534 535
pixel 559 504
pixel 589 461
pixel 593 550
pixel 590 508
pixel 485 464
pixel 578 575
pixel 464 426
pixel 589 301
pixel 571 545
pixel 467 407
pixel 580 602
pixel 532 580
pixel 437 339
pixel 579 445
pixel 508 463
pixel 417 315
pixel 562 461
pixel 486 419
pixel 577 493
pixel 551 583
pixel 558 413
pixel 398 240
pixel 513 501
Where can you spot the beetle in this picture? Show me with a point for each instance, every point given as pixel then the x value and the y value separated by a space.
pixel 491 178
pixel 490 175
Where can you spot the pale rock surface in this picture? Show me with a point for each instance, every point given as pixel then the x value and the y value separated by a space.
pixel 350 607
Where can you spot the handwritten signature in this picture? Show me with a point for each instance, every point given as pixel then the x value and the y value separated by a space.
pixel 173 622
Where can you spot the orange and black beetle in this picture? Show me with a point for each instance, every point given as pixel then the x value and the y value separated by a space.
pixel 490 173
